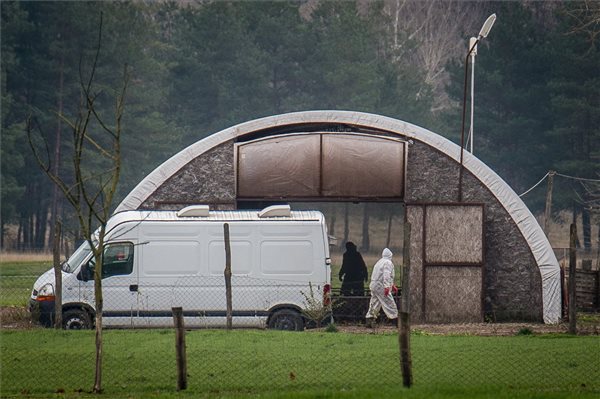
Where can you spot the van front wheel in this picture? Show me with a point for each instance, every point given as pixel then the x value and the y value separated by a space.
pixel 286 319
pixel 76 319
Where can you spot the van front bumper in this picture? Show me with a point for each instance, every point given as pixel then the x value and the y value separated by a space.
pixel 41 312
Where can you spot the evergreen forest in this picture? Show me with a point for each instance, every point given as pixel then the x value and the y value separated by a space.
pixel 197 67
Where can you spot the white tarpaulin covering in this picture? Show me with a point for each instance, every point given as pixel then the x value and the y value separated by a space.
pixel 538 243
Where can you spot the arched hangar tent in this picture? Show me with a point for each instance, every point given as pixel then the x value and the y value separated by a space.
pixel 476 249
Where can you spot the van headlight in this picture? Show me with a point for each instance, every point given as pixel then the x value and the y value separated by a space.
pixel 46 293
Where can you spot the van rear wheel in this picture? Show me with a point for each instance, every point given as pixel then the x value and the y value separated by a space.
pixel 287 320
pixel 76 319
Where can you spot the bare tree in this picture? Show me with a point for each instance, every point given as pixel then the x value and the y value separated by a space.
pixel 429 34
pixel 95 169
pixel 585 16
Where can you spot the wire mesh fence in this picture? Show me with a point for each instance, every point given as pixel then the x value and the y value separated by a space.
pixel 255 358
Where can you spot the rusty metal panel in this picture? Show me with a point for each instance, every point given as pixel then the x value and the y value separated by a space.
pixel 279 167
pixel 362 166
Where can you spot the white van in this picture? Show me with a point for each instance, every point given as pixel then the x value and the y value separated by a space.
pixel 156 260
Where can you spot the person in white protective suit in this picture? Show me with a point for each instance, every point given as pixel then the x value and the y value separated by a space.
pixel 382 286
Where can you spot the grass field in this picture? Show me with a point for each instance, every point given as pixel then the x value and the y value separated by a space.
pixel 16 280
pixel 138 363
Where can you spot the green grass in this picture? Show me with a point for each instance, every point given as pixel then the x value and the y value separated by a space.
pixel 16 281
pixel 141 363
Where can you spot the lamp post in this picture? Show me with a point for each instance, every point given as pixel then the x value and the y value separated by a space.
pixel 485 30
pixel 471 129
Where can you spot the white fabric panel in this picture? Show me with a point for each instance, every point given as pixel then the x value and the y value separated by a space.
pixel 538 243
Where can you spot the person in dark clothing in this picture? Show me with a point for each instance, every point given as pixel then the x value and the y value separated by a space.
pixel 353 273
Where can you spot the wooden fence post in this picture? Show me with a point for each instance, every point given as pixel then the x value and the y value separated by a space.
pixel 404 319
pixel 573 280
pixel 598 290
pixel 228 276
pixel 180 348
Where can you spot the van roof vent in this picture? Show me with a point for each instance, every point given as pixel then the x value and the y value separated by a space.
pixel 275 211
pixel 194 211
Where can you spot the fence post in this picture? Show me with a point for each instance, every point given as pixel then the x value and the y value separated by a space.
pixel 404 319
pixel 180 348
pixel 598 290
pixel 57 276
pixel 572 280
pixel 228 275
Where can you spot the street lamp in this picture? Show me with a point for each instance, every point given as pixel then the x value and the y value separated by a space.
pixel 473 54
pixel 485 30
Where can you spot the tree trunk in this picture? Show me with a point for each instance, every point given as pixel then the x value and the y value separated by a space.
pixel 19 243
pixel 41 226
pixel 55 192
pixel 389 229
pixel 57 277
pixel 332 221
pixel 366 243
pixel 346 226
pixel 66 247
pixel 587 228
pixel 572 280
pixel 99 306
pixel 548 210
pixel 574 221
pixel 98 378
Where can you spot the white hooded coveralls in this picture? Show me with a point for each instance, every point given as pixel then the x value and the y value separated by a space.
pixel 382 278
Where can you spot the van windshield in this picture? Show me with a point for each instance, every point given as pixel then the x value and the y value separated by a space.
pixel 78 256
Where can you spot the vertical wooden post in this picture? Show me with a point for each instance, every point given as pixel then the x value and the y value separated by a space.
pixel 404 319
pixel 564 294
pixel 180 348
pixel 57 276
pixel 548 210
pixel 572 280
pixel 598 290
pixel 228 276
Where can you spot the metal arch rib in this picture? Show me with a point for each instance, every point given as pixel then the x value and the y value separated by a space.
pixel 525 221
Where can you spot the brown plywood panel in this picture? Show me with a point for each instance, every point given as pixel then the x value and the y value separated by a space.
pixel 362 166
pixel 453 294
pixel 454 234
pixel 282 167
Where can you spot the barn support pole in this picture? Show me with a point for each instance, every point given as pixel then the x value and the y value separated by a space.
pixel 180 348
pixel 572 280
pixel 228 276
pixel 404 319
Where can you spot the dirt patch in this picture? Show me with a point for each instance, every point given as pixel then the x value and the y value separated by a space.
pixel 15 317
pixel 479 329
